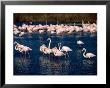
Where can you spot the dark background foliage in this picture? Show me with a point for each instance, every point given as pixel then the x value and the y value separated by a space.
pixel 55 17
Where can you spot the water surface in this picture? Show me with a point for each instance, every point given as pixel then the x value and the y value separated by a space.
pixel 37 63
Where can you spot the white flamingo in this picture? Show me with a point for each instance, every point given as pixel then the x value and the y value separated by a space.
pixel 41 31
pixel 87 55
pixel 48 50
pixel 49 39
pixel 65 49
pixel 79 42
pixel 18 46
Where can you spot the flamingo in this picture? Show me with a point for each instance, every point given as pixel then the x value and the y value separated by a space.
pixel 79 42
pixel 21 33
pixel 57 52
pixel 49 39
pixel 87 55
pixel 46 50
pixel 52 32
pixel 65 49
pixel 16 31
pixel 41 31
pixel 22 48
pixel 25 49
pixel 54 49
pixel 18 46
pixel 42 47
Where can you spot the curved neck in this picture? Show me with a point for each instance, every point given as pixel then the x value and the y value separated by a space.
pixel 59 45
pixel 84 53
pixel 49 43
pixel 15 42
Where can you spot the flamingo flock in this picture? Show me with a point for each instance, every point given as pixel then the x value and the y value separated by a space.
pixel 61 29
pixel 55 51
pixel 60 51
pixel 63 51
pixel 58 29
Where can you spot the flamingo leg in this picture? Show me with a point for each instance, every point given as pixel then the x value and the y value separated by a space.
pixel 49 56
pixel 25 54
pixel 43 54
pixel 28 54
pixel 67 54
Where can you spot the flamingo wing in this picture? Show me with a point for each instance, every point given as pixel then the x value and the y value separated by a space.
pixel 66 48
pixel 80 42
pixel 90 55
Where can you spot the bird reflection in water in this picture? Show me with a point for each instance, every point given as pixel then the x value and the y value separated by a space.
pixel 88 66
pixel 54 66
pixel 22 65
pixel 87 63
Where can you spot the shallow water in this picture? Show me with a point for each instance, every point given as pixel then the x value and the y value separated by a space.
pixel 36 63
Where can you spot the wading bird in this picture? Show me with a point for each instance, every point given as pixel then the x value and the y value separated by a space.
pixel 79 42
pixel 21 48
pixel 46 50
pixel 65 49
pixel 57 52
pixel 87 55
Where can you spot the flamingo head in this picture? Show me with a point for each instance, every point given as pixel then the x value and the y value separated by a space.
pixel 83 49
pixel 49 39
pixel 15 42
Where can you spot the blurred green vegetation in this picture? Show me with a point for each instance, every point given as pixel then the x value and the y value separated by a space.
pixel 55 17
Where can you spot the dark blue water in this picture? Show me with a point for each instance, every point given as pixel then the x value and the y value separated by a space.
pixel 36 63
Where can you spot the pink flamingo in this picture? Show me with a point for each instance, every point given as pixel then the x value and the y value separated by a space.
pixel 22 48
pixel 46 50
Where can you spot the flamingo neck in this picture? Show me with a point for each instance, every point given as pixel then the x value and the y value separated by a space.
pixel 59 45
pixel 84 53
pixel 49 43
pixel 15 42
pixel 16 47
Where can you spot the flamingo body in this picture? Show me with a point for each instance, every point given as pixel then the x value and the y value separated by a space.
pixel 87 55
pixel 66 49
pixel 79 42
